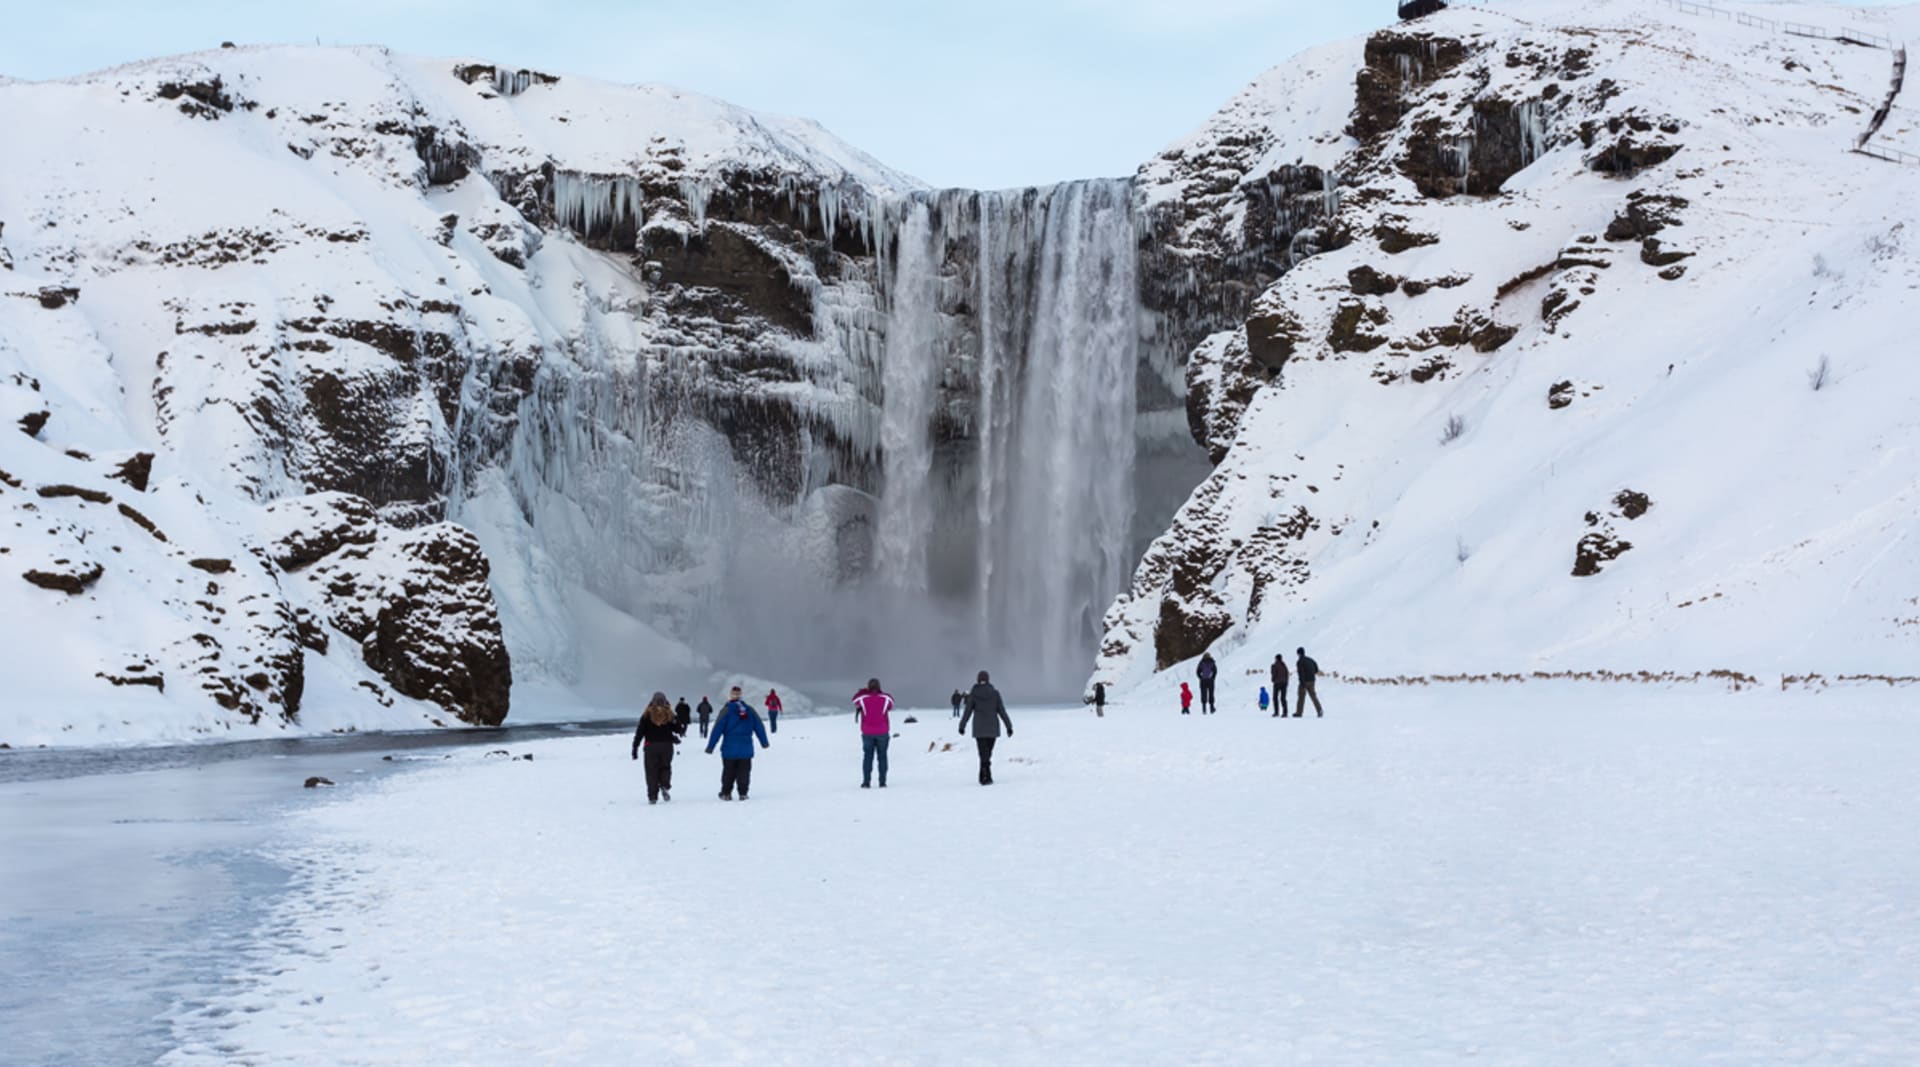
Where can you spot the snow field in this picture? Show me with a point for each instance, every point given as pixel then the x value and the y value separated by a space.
pixel 1550 873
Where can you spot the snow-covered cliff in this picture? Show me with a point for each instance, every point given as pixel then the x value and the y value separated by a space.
pixel 1601 367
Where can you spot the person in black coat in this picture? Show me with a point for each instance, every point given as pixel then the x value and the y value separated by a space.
pixel 1307 670
pixel 1279 685
pixel 1208 671
pixel 987 712
pixel 683 716
pixel 659 733
pixel 706 713
pixel 1100 699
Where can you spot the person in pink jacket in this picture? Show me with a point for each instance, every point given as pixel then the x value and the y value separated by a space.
pixel 871 708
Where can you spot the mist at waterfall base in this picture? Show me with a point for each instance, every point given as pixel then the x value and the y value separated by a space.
pixel 1015 478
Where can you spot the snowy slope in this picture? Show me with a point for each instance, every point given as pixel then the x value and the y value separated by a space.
pixel 1641 330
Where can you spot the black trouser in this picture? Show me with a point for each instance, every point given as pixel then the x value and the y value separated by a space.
pixel 1206 696
pixel 736 772
pixel 703 726
pixel 1306 691
pixel 1279 698
pixel 985 744
pixel 659 764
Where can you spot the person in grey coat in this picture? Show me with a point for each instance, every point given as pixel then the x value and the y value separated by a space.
pixel 1280 685
pixel 1308 672
pixel 986 711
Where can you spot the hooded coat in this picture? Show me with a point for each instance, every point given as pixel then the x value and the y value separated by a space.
pixel 986 711
pixel 735 730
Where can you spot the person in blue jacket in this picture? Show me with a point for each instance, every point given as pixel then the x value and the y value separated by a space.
pixel 734 732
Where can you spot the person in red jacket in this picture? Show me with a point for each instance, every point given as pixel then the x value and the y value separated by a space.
pixel 872 708
pixel 773 711
pixel 1186 699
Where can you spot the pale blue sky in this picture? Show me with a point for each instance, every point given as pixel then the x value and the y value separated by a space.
pixel 982 93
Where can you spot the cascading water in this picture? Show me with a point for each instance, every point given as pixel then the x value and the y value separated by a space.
pixel 947 483
pixel 1025 530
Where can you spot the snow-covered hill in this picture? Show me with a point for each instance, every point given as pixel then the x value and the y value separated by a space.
pixel 257 274
pixel 1609 369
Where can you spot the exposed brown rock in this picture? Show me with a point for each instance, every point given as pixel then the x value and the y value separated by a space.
pixel 71 578
pixel 91 496
pixel 135 471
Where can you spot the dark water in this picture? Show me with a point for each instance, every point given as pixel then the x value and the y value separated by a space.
pixel 132 878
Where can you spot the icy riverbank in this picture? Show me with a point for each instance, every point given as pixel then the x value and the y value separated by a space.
pixel 1564 874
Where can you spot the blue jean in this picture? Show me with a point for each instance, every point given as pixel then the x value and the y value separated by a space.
pixel 869 745
pixel 773 721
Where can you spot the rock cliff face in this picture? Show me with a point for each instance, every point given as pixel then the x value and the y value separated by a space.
pixel 1520 217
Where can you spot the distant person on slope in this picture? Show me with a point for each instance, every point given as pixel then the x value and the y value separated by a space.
pixel 1207 672
pixel 1280 685
pixel 683 715
pixel 1186 699
pixel 736 729
pixel 1100 699
pixel 871 709
pixel 1308 671
pixel 706 712
pixel 659 733
pixel 773 711
pixel 959 698
pixel 986 711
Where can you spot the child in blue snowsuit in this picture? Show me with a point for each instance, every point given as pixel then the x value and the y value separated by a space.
pixel 1263 698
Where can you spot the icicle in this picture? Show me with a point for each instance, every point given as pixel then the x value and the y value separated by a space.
pixel 593 206
pixel 1533 130
pixel 696 192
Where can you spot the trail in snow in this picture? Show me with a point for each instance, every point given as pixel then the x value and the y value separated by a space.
pixel 1547 874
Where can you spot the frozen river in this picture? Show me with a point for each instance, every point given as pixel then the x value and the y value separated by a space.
pixel 131 879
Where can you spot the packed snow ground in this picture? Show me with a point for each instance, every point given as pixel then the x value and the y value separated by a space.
pixel 1537 874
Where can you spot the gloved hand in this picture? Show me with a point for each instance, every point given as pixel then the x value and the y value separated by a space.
pixel 1009 731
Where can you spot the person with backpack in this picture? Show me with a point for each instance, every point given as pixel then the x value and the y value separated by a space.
pixel 706 712
pixel 735 732
pixel 659 733
pixel 1263 698
pixel 773 711
pixel 986 711
pixel 1208 671
pixel 1279 685
pixel 1308 671
pixel 683 716
pixel 1100 699
pixel 871 709
pixel 1186 699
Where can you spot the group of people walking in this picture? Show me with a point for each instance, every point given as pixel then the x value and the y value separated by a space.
pixel 663 725
pixel 738 727
pixel 1306 672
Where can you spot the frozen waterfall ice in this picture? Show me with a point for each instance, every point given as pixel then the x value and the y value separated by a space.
pixel 950 485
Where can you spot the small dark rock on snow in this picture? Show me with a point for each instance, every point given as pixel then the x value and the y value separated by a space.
pixel 316 782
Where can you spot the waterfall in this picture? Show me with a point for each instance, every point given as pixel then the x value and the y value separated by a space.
pixel 941 478
pixel 1039 504
pixel 908 371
